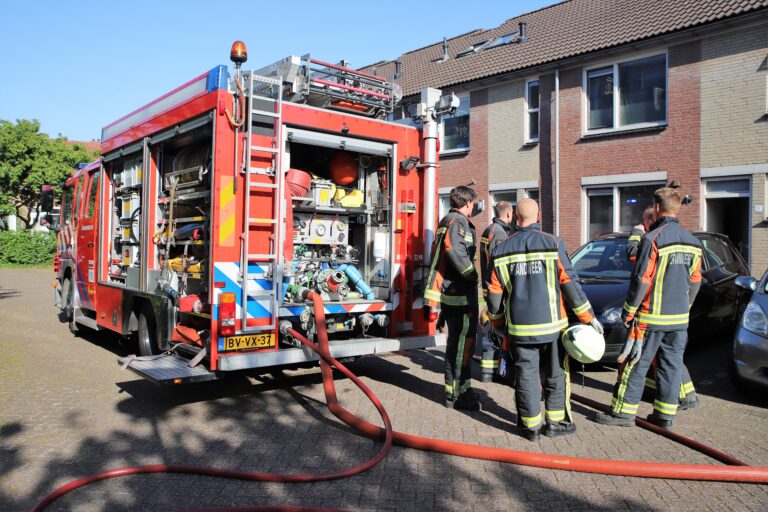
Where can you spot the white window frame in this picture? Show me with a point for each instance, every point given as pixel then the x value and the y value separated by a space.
pixel 494 193
pixel 616 220
pixel 529 111
pixel 443 192
pixel 616 95
pixel 463 96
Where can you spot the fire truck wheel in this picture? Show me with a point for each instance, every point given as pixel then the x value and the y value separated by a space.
pixel 67 299
pixel 146 334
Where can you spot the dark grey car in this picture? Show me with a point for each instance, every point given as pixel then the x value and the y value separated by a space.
pixel 604 272
pixel 750 343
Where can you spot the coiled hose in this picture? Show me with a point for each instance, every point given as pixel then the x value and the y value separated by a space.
pixel 707 472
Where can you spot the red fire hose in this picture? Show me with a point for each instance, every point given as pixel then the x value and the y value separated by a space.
pixel 732 473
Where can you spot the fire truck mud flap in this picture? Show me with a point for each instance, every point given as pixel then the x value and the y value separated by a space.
pixel 339 349
pixel 167 369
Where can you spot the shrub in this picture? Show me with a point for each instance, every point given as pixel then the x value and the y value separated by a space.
pixel 27 247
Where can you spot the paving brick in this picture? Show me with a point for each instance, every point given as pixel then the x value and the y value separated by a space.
pixel 67 410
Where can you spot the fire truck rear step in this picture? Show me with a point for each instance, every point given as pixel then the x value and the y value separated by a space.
pixel 168 369
pixel 340 349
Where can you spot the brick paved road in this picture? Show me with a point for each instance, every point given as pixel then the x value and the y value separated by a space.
pixel 67 410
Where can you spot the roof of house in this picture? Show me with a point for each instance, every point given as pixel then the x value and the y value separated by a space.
pixel 561 31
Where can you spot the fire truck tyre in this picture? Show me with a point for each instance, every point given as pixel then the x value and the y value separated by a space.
pixel 146 334
pixel 67 297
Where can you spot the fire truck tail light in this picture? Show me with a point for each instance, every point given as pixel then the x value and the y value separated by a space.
pixel 227 314
pixel 433 316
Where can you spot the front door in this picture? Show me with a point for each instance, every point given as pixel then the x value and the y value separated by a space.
pixel 728 211
pixel 87 229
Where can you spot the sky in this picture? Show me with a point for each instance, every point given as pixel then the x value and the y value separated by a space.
pixel 79 65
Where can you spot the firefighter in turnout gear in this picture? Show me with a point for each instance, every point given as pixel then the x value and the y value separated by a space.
pixel 532 281
pixel 662 289
pixel 452 283
pixel 492 237
pixel 688 398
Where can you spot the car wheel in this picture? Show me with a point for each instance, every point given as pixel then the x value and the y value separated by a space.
pixel 146 334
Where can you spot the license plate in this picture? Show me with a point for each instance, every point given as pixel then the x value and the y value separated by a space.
pixel 249 341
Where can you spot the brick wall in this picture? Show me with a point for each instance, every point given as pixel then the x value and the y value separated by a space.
pixel 674 149
pixel 509 158
pixel 546 152
pixel 734 125
pixel 460 169
pixel 759 260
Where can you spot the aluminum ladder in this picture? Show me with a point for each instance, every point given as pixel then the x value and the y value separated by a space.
pixel 264 100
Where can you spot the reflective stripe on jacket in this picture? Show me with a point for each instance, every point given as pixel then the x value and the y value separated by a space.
pixel 452 276
pixel 666 278
pixel 492 237
pixel 531 281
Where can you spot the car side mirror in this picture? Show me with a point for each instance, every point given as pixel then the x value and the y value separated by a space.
pixel 746 283
pixel 46 198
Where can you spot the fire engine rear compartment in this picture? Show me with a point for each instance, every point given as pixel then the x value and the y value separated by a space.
pixel 217 231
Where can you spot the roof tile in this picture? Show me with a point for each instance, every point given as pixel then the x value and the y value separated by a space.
pixel 561 31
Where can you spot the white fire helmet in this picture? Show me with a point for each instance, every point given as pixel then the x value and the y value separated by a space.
pixel 583 343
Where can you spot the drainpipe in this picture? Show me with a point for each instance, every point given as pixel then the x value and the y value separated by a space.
pixel 557 151
pixel 430 181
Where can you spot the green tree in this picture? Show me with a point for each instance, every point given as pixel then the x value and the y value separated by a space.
pixel 29 159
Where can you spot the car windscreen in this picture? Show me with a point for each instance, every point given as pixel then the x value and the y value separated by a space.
pixel 603 259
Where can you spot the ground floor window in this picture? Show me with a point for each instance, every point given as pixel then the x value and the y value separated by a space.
pixel 617 207
pixel 443 205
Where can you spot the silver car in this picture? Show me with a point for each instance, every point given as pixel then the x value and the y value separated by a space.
pixel 750 344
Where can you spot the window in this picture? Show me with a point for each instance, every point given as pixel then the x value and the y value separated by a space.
pixel 456 128
pixel 532 193
pixel 93 193
pixel 617 208
pixel 509 196
pixel 78 196
pixel 443 205
pixel 627 94
pixel 66 205
pixel 603 258
pixel 532 111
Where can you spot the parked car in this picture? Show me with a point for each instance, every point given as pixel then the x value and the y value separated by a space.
pixel 749 363
pixel 604 272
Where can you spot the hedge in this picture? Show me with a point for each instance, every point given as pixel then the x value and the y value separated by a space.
pixel 27 247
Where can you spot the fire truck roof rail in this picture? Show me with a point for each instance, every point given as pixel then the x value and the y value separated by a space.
pixel 333 86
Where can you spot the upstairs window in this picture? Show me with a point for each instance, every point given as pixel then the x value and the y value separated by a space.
pixel 532 111
pixel 455 128
pixel 626 95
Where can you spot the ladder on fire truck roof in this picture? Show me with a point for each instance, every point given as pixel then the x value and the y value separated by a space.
pixel 264 102
pixel 333 86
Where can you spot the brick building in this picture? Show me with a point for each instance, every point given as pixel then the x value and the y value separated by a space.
pixel 589 105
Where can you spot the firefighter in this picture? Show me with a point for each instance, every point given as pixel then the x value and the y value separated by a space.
pixel 492 237
pixel 687 398
pixel 452 283
pixel 531 282
pixel 663 286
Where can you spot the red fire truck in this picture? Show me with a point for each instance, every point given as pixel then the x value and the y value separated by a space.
pixel 213 207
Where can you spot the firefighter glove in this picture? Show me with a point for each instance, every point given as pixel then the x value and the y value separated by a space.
pixel 596 325
pixel 633 347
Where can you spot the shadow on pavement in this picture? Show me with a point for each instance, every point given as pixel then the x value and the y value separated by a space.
pixel 271 427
